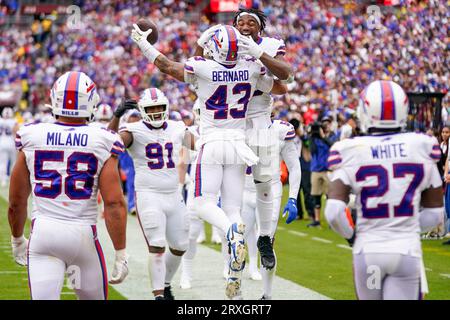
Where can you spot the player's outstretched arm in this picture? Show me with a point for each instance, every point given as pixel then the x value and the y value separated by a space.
pixel 290 154
pixel 172 68
pixel 19 191
pixel 115 216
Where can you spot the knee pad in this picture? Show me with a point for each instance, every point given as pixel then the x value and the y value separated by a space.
pixel 317 202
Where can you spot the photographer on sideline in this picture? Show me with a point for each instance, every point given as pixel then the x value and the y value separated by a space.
pixel 321 140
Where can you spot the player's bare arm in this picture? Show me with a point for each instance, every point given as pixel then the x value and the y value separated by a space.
pixel 19 191
pixel 189 140
pixel 339 191
pixel 172 68
pixel 279 88
pixel 114 203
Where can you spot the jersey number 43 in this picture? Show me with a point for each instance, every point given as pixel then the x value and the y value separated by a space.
pixel 218 101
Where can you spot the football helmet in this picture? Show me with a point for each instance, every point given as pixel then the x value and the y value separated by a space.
pixel 74 94
pixel 153 97
pixel 7 113
pixel 383 105
pixel 103 112
pixel 222 47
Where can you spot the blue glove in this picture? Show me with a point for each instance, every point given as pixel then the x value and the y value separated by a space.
pixel 291 208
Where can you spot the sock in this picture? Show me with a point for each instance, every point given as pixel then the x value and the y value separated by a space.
pixel 267 277
pixel 252 249
pixel 264 206
pixel 186 268
pixel 172 264
pixel 157 270
pixel 211 213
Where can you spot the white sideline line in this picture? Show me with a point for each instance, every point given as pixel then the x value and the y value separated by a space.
pixel 68 293
pixel 343 246
pixel 13 272
pixel 428 269
pixel 322 240
pixel 445 275
pixel 300 234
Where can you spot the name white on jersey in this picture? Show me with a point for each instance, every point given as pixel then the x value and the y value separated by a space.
pixel 155 153
pixel 388 174
pixel 64 163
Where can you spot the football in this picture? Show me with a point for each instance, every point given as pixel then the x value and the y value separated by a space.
pixel 145 24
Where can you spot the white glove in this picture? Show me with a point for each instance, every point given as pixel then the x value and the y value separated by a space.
pixel 120 271
pixel 248 46
pixel 19 250
pixel 140 37
pixel 207 34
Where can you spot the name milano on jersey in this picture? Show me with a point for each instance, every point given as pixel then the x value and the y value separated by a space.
pixel 388 174
pixel 64 163
pixel 224 92
pixel 155 153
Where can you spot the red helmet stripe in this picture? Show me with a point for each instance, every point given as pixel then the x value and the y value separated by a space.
pixel 232 44
pixel 71 91
pixel 387 101
pixel 153 94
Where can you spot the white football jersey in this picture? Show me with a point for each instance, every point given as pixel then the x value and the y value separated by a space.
pixel 6 133
pixel 99 124
pixel 155 153
pixel 281 131
pixel 261 102
pixel 224 92
pixel 387 174
pixel 64 163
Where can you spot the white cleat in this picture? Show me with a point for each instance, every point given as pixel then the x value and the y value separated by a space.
pixel 236 243
pixel 185 283
pixel 255 275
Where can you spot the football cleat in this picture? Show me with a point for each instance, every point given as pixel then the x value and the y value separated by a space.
pixel 236 245
pixel 168 293
pixel 264 297
pixel 159 297
pixel 233 288
pixel 265 248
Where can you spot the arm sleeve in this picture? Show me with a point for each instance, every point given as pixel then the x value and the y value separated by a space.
pixel 339 220
pixel 289 153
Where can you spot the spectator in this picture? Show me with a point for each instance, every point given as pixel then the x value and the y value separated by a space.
pixel 321 140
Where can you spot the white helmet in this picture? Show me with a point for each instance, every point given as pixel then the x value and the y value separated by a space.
pixel 153 97
pixel 7 113
pixel 74 94
pixel 223 45
pixel 103 112
pixel 383 105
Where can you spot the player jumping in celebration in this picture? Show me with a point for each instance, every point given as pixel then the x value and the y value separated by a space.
pixel 64 164
pixel 224 84
pixel 270 52
pixel 154 144
pixel 398 193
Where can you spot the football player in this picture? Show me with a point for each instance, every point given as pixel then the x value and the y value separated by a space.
pixel 8 129
pixel 398 193
pixel 224 84
pixel 154 144
pixel 102 115
pixel 284 146
pixel 270 52
pixel 64 164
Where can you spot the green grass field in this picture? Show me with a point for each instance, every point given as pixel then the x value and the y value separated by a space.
pixel 320 266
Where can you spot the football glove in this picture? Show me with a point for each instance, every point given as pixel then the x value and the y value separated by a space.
pixel 19 250
pixel 248 46
pixel 140 38
pixel 207 34
pixel 126 104
pixel 291 210
pixel 120 270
